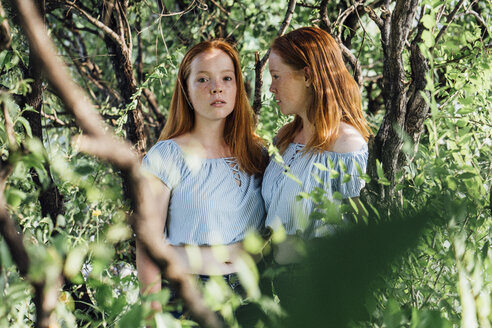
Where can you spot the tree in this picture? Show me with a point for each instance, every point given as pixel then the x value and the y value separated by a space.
pixel 424 71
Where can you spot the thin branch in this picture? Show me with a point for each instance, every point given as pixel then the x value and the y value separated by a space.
pixel 325 21
pixel 439 14
pixel 343 16
pixel 8 229
pixel 54 118
pixel 374 78
pixel 220 7
pixel 190 7
pixel 463 55
pixel 376 4
pixel 154 106
pixel 379 22
pixel 108 31
pixel 119 25
pixel 128 31
pixel 9 126
pixel 354 62
pixel 479 19
pixel 435 284
pixel 449 19
pixel 5 37
pixel 307 5
pixel 260 64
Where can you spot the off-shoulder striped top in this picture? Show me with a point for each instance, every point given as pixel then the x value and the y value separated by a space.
pixel 212 201
pixel 302 172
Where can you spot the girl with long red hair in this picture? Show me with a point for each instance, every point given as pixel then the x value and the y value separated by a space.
pixel 209 165
pixel 328 134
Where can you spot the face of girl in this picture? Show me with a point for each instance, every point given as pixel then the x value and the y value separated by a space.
pixel 212 85
pixel 291 87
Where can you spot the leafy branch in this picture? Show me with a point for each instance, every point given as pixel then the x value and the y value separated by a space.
pixel 99 142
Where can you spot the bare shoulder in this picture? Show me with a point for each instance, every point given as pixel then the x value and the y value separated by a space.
pixel 349 140
pixel 182 140
pixel 191 145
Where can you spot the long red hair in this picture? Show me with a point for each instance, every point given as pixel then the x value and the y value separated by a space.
pixel 239 133
pixel 336 94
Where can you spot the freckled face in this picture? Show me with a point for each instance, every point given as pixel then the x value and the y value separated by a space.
pixel 212 85
pixel 292 93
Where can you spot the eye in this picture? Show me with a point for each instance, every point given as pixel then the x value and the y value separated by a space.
pixel 202 80
pixel 228 78
pixel 275 76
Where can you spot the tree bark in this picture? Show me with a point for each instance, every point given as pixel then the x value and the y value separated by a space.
pixel 50 199
pixel 404 105
pixel 120 55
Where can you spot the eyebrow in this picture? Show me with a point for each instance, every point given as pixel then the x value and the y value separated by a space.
pixel 224 71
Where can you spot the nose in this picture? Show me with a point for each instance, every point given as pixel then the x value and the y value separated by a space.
pixel 272 89
pixel 217 88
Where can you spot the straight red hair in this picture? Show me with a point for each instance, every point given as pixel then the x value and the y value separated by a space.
pixel 239 133
pixel 336 94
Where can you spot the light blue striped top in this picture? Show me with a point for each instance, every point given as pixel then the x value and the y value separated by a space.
pixel 279 190
pixel 212 201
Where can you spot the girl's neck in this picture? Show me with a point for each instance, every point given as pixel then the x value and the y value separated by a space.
pixel 306 132
pixel 210 138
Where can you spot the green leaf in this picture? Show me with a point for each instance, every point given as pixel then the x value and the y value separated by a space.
pixel 429 21
pixel 419 179
pixel 346 178
pixel 384 182
pixel 392 314
pixel 75 259
pixel 302 195
pixel 467 175
pixel 7 57
pixel 293 177
pixel 85 169
pixel 337 195
pixel 365 177
pixel 5 258
pixel 452 183
pixel 379 169
pixel 318 179
pixel 118 232
pixel 342 166
pixel 428 319
pixel 428 38
pixel 253 243
pixel 26 125
pixel 316 215
pixel 321 166
pixel 14 197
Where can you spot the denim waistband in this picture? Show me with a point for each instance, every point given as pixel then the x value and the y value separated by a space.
pixel 231 279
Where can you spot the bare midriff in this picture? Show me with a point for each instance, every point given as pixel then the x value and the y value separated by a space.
pixel 210 260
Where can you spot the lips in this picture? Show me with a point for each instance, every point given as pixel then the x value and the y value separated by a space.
pixel 218 102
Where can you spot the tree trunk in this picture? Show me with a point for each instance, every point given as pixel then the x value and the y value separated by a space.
pixel 120 55
pixel 50 199
pixel 406 109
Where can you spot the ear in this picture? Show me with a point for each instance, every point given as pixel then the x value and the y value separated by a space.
pixel 308 76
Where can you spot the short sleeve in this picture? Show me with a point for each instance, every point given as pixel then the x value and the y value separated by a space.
pixel 165 161
pixel 349 164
